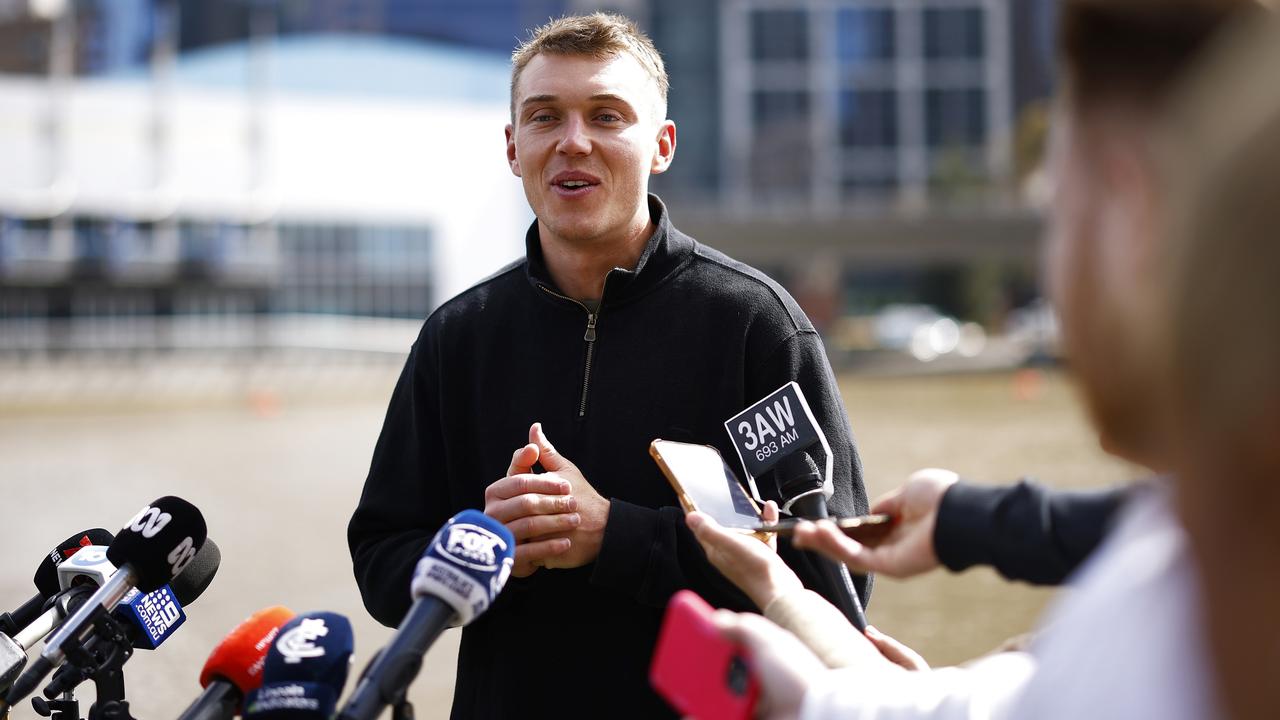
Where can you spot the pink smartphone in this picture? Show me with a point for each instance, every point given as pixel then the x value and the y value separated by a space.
pixel 702 675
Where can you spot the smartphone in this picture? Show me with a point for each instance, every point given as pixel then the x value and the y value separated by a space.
pixel 702 675
pixel 704 481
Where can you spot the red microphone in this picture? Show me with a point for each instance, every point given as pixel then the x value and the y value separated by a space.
pixel 235 666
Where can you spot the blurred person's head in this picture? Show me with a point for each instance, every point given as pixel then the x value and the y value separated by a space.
pixel 588 127
pixel 1223 155
pixel 1121 60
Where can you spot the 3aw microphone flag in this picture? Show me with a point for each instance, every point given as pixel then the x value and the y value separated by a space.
pixel 775 427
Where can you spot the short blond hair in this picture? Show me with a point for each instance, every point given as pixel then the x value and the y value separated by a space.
pixel 598 35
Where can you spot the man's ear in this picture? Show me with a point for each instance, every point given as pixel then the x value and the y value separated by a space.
pixel 666 150
pixel 512 160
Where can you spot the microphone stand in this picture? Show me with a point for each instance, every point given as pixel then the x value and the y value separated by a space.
pixel 102 661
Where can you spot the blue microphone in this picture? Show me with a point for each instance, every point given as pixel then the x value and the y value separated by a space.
pixel 305 669
pixel 459 575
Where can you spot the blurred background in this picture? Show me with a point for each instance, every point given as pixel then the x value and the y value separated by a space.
pixel 223 221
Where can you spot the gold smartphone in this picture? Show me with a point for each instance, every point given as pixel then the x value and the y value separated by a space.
pixel 704 481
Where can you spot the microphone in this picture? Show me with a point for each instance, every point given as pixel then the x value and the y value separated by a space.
pixel 305 669
pixel 234 668
pixel 774 433
pixel 46 578
pixel 147 620
pixel 25 626
pixel 156 545
pixel 459 575
pixel 801 486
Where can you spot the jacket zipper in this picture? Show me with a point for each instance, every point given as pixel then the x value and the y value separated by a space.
pixel 590 338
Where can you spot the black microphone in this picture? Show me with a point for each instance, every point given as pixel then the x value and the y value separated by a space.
pixel 800 485
pixel 147 619
pixel 459 575
pixel 161 540
pixel 46 578
pixel 774 434
pixel 28 624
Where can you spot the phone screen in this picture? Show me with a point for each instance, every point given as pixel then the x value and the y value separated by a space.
pixel 702 475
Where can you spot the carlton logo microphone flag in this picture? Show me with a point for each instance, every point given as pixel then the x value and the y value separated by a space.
pixel 776 427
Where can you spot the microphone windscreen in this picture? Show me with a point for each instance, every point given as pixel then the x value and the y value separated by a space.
pixel 159 542
pixel 195 577
pixel 240 657
pixel 797 474
pixel 46 578
pixel 291 700
pixel 466 564
pixel 312 647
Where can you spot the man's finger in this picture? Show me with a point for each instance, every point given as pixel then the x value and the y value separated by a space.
pixel 523 460
pixel 528 504
pixel 535 526
pixel 516 485
pixel 534 553
pixel 547 455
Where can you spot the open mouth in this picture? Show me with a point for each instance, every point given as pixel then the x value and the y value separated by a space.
pixel 572 184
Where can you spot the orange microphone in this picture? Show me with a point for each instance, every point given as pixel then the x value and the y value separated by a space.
pixel 235 666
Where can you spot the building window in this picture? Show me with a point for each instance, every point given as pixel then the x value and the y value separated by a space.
pixel 781 162
pixel 953 34
pixel 955 117
pixel 868 118
pixel 779 35
pixel 865 35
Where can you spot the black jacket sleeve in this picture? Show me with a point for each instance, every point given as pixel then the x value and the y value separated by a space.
pixel 401 505
pixel 1025 531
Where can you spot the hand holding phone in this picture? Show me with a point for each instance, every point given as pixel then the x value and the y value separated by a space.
pixel 704 481
pixel 700 673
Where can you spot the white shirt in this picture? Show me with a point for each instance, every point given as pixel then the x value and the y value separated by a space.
pixel 1125 641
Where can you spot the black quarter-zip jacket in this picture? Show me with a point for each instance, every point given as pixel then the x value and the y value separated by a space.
pixel 677 346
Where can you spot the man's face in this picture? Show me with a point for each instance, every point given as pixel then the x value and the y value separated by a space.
pixel 1100 268
pixel 586 135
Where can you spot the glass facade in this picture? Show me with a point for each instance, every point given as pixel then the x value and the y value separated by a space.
pixel 877 99
pixel 228 268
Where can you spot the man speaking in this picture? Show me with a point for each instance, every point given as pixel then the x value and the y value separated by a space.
pixel 613 330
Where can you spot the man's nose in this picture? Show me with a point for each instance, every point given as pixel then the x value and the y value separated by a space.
pixel 575 140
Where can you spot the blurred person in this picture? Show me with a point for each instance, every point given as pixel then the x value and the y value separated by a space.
pixel 1126 641
pixel 1225 360
pixel 616 328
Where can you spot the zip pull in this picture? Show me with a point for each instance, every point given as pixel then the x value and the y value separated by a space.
pixel 591 328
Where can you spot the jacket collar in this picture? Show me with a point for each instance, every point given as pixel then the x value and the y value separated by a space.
pixel 666 251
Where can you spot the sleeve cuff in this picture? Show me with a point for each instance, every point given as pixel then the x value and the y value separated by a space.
pixel 627 547
pixel 961 536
